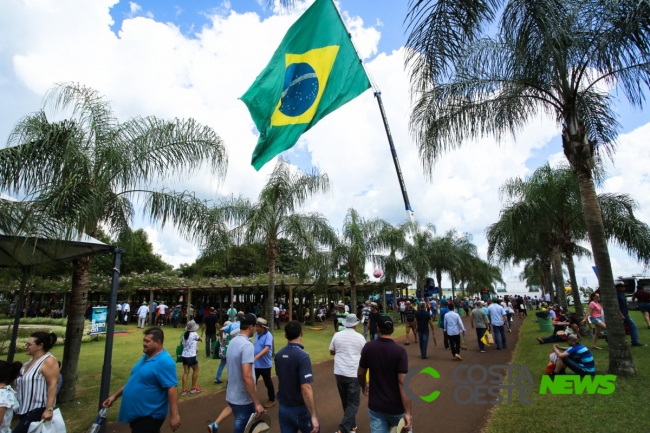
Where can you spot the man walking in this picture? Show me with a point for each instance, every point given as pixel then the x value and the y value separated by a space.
pixel 142 314
pixel 499 319
pixel 339 317
pixel 366 318
pixel 441 320
pixel 292 364
pixel 346 347
pixel 423 320
pixel 373 320
pixel 479 320
pixel 209 326
pixel 240 392
pixel 453 327
pixel 276 316
pixel 388 364
pixel 126 311
pixel 409 314
pixel 622 305
pixel 264 358
pixel 151 390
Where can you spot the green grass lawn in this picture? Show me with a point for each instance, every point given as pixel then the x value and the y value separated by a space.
pixel 127 350
pixel 625 410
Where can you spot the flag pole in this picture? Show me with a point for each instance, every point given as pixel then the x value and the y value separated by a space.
pixel 377 93
pixel 400 178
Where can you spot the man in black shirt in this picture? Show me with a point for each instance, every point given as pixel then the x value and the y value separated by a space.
pixel 388 364
pixel 409 314
pixel 373 318
pixel 209 326
pixel 424 322
pixel 292 365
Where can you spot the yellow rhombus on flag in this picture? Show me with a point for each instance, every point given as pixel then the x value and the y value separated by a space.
pixel 314 71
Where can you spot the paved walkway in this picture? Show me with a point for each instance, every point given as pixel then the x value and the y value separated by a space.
pixel 197 413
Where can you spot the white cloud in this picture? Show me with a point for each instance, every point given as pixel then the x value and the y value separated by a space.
pixel 152 68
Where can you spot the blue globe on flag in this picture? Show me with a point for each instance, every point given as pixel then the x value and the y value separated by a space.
pixel 300 89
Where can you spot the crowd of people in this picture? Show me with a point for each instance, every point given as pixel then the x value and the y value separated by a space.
pixel 360 356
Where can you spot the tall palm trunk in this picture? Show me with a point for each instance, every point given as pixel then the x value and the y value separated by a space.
pixel 620 358
pixel 577 303
pixel 548 281
pixel 273 253
pixel 557 276
pixel 353 292
pixel 75 329
pixel 453 288
pixel 439 281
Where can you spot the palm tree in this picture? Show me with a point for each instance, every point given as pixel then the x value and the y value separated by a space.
pixel 544 216
pixel 274 216
pixel 547 56
pixel 463 253
pixel 356 245
pixel 418 253
pixel 392 240
pixel 87 171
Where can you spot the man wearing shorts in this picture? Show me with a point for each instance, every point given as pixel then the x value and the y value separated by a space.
pixel 411 324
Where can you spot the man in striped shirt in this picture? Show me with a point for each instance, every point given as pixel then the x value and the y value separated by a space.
pixel 577 357
pixel 346 347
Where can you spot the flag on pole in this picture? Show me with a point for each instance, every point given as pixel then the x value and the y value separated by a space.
pixel 314 71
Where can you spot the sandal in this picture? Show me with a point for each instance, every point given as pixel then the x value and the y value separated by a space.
pixel 213 428
pixel 596 347
pixel 407 343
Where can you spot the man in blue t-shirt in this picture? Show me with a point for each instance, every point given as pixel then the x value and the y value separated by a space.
pixel 577 357
pixel 151 390
pixel 292 365
pixel 264 358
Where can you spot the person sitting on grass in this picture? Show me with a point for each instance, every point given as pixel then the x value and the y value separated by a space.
pixel 560 330
pixel 576 357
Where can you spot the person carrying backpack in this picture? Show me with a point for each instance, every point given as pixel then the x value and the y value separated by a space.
pixel 411 324
pixel 224 340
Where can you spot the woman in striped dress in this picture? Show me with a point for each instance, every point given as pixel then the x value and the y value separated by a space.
pixel 36 385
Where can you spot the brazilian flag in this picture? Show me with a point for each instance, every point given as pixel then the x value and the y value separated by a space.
pixel 314 71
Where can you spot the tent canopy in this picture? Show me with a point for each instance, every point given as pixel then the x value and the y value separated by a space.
pixel 21 251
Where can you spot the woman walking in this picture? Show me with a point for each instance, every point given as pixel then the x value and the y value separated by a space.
pixel 596 318
pixel 190 338
pixel 37 383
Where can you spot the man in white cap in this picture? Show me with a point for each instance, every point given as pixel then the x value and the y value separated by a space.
pixel 346 346
pixel 142 314
pixel 264 358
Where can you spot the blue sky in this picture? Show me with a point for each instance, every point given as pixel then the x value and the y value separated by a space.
pixel 196 58
pixel 191 15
